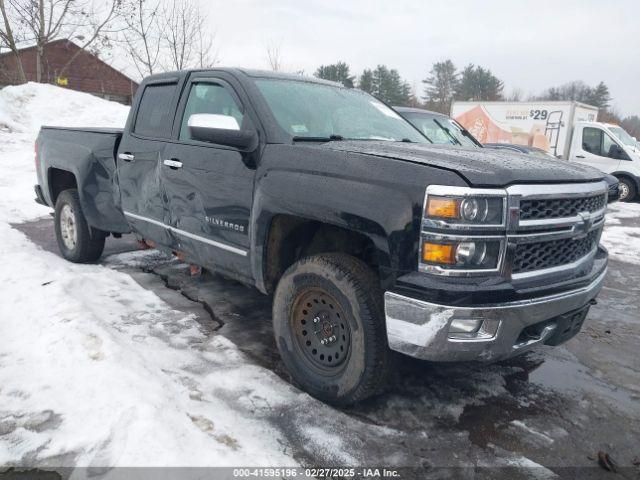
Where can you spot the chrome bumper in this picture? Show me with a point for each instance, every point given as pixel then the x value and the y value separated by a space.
pixel 422 329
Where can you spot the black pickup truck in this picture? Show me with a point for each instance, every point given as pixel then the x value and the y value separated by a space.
pixel 370 238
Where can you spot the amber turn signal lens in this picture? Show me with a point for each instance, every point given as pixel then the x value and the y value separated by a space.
pixel 443 207
pixel 438 253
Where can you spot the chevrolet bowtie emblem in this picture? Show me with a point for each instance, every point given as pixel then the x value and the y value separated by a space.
pixel 586 222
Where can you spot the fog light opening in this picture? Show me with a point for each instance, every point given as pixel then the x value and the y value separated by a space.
pixel 471 325
pixel 489 328
pixel 473 329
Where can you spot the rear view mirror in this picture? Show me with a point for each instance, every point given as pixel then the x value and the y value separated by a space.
pixel 221 129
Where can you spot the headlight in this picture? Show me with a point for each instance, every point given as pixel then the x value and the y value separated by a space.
pixel 464 255
pixel 469 211
pixel 463 231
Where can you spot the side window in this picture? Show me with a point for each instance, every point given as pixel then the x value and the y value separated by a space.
pixel 609 147
pixel 209 98
pixel 599 143
pixel 155 112
pixel 592 140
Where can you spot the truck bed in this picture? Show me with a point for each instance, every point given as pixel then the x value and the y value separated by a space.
pixel 85 157
pixel 104 131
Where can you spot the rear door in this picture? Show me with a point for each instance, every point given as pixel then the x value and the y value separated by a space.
pixel 140 172
pixel 592 146
pixel 209 186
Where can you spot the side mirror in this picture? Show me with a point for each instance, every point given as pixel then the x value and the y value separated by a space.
pixel 221 129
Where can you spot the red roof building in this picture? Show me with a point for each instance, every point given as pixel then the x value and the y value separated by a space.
pixel 87 73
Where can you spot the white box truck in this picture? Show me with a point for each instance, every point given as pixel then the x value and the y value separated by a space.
pixel 567 130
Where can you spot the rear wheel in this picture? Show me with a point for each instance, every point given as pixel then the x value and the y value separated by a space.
pixel 329 327
pixel 627 190
pixel 77 241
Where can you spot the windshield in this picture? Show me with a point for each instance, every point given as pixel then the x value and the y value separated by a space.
pixel 623 136
pixel 309 110
pixel 439 129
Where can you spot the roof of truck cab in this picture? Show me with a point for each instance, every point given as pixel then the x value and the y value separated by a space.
pixel 253 73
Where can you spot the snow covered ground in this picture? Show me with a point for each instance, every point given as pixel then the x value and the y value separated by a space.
pixel 94 369
pixel 622 241
pixel 97 371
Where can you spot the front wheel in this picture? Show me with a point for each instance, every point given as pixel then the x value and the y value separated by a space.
pixel 329 327
pixel 627 190
pixel 77 241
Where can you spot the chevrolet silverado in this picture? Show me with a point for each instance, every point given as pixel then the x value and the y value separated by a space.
pixel 371 239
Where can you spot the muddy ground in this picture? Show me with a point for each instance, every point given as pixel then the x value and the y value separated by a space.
pixel 544 414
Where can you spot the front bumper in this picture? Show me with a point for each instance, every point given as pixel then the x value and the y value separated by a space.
pixel 421 329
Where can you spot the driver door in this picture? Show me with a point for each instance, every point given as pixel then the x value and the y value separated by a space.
pixel 209 186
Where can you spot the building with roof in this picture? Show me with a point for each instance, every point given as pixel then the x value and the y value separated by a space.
pixel 86 73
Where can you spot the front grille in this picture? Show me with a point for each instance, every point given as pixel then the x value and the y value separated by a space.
pixel 554 253
pixel 560 207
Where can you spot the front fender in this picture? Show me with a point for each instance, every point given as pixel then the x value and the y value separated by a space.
pixel 388 216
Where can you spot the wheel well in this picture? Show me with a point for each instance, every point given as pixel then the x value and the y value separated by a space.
pixel 59 181
pixel 291 238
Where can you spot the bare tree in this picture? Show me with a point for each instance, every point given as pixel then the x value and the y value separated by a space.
pixel 8 39
pixel 86 21
pixel 142 36
pixel 185 37
pixel 516 95
pixel 274 55
pixel 94 26
pixel 206 54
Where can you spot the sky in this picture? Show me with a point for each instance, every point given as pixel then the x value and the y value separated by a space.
pixel 529 45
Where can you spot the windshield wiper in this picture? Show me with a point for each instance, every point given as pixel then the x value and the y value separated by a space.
pixel 447 132
pixel 330 138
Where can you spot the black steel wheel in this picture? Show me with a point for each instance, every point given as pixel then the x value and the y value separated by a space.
pixel 328 322
pixel 321 331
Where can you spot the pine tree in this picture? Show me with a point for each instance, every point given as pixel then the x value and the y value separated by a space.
pixel 387 85
pixel 600 96
pixel 478 83
pixel 336 72
pixel 366 81
pixel 441 85
pixel 579 91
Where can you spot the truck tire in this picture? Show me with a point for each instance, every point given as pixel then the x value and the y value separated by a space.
pixel 627 189
pixel 328 320
pixel 77 241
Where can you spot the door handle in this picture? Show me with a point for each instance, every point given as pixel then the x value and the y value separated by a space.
pixel 127 157
pixel 580 156
pixel 174 164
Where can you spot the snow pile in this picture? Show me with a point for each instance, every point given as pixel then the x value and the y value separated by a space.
pixel 23 110
pixel 96 370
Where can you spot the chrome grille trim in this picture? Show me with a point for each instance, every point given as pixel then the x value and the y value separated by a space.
pixel 515 231
pixel 553 229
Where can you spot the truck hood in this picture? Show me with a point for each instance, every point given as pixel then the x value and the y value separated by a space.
pixel 479 167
